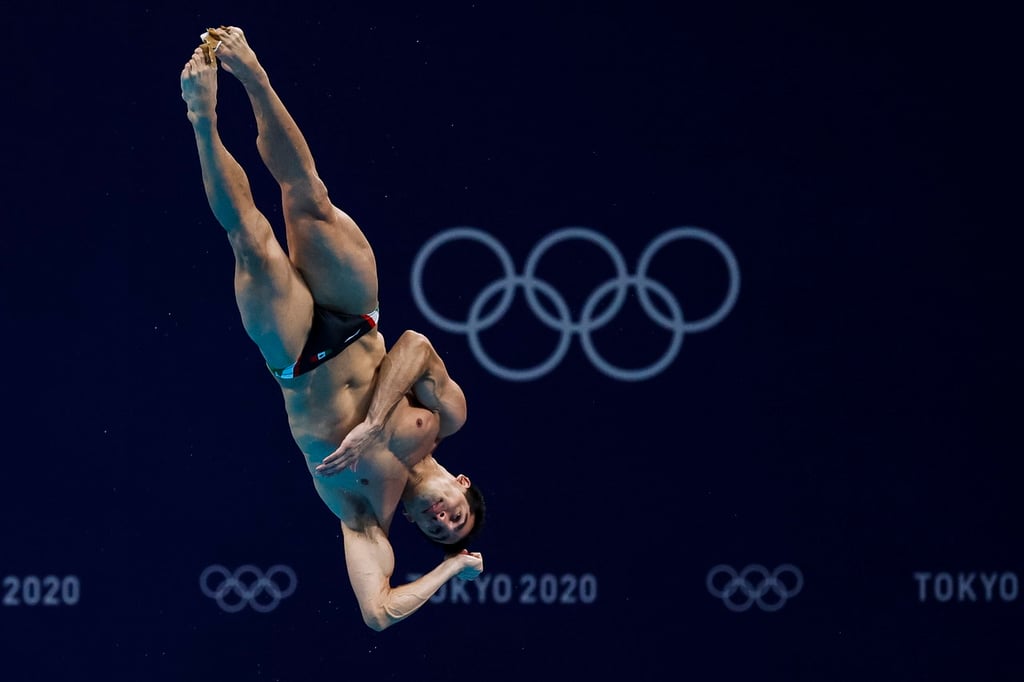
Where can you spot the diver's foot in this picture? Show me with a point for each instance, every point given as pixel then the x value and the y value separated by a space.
pixel 199 86
pixel 236 56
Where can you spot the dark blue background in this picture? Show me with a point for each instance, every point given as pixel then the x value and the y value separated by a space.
pixel 856 414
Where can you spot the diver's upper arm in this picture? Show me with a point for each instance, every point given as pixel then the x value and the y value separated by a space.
pixel 370 561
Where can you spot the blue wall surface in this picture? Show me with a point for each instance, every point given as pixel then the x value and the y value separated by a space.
pixel 732 289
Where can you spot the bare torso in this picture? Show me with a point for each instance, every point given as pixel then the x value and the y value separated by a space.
pixel 327 403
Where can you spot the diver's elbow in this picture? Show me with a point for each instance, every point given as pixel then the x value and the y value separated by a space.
pixel 378 619
pixel 375 622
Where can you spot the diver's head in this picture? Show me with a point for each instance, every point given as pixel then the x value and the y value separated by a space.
pixel 448 510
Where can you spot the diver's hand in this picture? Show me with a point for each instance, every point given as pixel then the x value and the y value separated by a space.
pixel 355 444
pixel 470 564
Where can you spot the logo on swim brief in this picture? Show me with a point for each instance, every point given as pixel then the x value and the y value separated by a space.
pixel 248 586
pixel 649 291
pixel 754 585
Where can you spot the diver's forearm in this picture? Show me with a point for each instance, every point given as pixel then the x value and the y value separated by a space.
pixel 401 368
pixel 405 600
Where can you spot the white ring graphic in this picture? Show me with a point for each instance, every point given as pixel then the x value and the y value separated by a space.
pixel 768 582
pixel 233 593
pixel 590 319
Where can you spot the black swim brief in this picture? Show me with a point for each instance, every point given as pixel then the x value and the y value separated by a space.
pixel 330 333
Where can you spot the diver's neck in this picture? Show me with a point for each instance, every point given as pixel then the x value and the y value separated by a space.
pixel 423 469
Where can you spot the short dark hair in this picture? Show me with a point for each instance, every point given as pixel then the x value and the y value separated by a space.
pixel 478 508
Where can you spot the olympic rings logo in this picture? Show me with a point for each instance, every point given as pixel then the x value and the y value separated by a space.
pixel 754 592
pixel 590 319
pixel 247 586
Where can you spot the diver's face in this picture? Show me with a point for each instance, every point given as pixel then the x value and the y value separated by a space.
pixel 440 509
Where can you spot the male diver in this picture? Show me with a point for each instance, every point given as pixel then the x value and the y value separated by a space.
pixel 367 420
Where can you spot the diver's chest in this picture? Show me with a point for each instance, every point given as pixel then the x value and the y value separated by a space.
pixel 414 432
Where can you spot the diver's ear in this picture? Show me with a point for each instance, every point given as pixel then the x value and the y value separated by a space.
pixel 463 480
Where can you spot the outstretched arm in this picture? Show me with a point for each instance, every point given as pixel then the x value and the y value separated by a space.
pixel 371 561
pixel 412 365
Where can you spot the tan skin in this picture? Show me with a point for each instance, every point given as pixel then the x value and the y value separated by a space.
pixel 368 420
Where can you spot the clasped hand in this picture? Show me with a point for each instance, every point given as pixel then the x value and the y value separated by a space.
pixel 352 447
pixel 471 564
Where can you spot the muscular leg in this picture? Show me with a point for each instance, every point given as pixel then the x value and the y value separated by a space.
pixel 325 244
pixel 275 305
